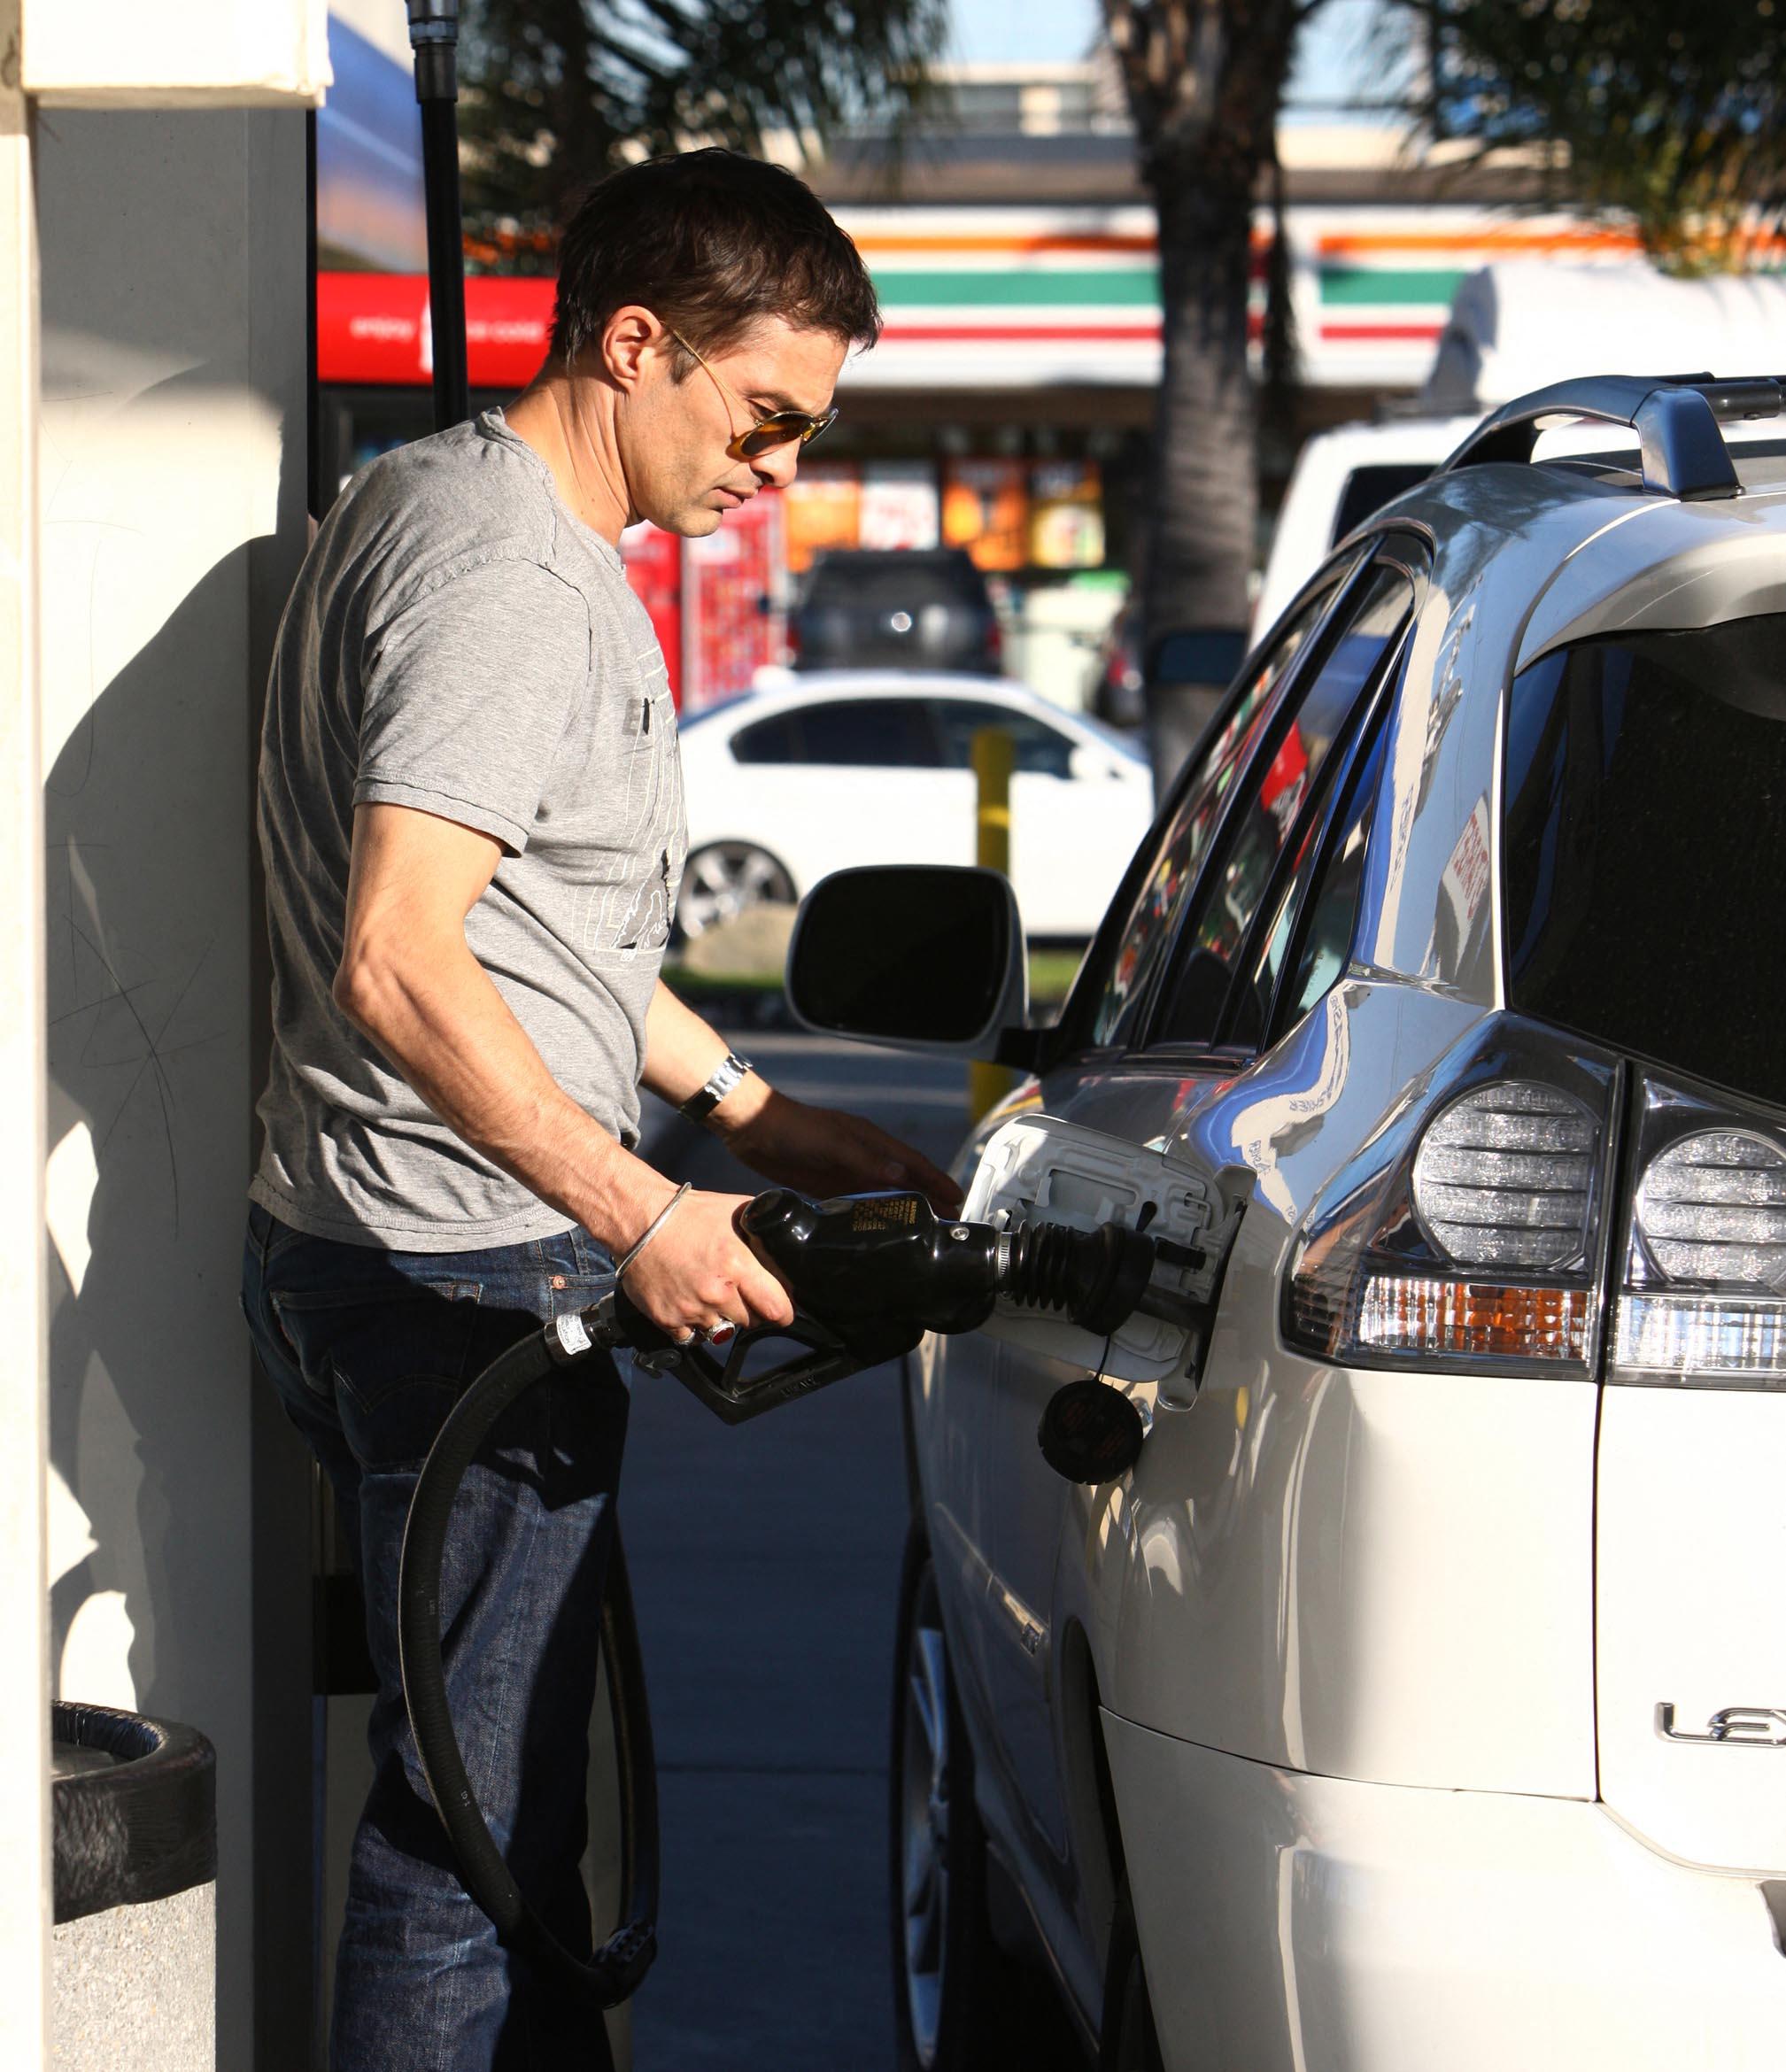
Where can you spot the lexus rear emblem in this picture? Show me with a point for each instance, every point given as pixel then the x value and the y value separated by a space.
pixel 1732 1727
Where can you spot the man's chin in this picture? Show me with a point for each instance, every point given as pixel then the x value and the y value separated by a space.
pixel 695 522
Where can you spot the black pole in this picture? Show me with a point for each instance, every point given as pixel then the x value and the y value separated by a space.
pixel 434 37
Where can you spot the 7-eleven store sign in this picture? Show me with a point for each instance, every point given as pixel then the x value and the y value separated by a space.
pixel 1028 298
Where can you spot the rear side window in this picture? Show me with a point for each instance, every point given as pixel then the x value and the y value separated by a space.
pixel 1148 930
pixel 1644 873
pixel 1333 917
pixel 770 740
pixel 1374 618
pixel 1037 748
pixel 869 733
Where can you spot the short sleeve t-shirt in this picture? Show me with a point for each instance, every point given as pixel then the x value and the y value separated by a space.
pixel 460 644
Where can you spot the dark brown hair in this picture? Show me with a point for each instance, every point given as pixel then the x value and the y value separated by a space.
pixel 709 242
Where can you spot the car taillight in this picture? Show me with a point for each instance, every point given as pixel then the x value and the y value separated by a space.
pixel 1476 1236
pixel 1504 1176
pixel 1702 1296
pixel 995 642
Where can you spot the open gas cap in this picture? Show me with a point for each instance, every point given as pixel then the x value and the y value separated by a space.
pixel 1090 1431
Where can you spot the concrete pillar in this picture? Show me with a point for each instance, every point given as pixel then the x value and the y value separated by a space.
pixel 24 1688
pixel 173 444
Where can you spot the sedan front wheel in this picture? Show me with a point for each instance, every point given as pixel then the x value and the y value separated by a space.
pixel 723 879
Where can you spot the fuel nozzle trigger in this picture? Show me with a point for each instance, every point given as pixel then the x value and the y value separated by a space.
pixel 735 1388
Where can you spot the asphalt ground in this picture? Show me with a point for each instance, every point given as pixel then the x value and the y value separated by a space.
pixel 765 1564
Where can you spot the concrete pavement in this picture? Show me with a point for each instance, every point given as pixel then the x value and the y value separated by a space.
pixel 765 1564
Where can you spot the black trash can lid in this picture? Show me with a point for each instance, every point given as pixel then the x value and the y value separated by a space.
pixel 133 1808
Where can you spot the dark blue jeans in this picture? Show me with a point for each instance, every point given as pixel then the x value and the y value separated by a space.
pixel 369 1349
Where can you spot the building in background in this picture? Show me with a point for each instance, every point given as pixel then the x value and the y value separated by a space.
pixel 1008 406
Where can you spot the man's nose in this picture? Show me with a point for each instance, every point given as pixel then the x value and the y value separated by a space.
pixel 776 468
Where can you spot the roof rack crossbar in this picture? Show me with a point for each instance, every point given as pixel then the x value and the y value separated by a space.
pixel 1675 417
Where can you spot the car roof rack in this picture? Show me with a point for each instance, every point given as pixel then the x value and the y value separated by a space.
pixel 1674 416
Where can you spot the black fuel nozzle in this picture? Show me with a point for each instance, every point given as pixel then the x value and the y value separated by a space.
pixel 869 1275
pixel 889 1258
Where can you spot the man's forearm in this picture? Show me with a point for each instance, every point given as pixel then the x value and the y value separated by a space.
pixel 681 1053
pixel 819 1151
pixel 437 1017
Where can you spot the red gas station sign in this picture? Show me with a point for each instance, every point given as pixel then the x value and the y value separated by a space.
pixel 373 329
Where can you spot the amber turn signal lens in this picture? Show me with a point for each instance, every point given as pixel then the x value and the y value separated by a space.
pixel 1474 1319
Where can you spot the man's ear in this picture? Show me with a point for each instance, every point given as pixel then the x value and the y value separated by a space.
pixel 631 339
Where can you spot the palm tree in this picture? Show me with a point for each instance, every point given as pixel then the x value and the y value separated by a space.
pixel 1204 80
pixel 1672 116
pixel 556 91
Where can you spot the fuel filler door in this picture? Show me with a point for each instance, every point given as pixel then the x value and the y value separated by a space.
pixel 1038 1168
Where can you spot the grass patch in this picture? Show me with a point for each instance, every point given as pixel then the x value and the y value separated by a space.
pixel 694 986
pixel 1051 978
pixel 1052 972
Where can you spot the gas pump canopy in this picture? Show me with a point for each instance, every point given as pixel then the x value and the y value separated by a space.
pixel 1027 298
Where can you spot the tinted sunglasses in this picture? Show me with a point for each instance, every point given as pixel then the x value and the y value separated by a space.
pixel 765 432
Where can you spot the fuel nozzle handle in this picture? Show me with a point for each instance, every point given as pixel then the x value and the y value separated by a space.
pixel 875 1262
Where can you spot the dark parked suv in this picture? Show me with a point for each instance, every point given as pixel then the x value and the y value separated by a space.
pixel 900 607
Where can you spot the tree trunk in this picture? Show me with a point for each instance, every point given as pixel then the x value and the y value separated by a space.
pixel 1205 490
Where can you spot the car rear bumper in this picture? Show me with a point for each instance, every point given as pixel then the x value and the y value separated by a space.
pixel 1294 1923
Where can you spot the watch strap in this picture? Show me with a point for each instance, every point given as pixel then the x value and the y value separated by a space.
pixel 727 1074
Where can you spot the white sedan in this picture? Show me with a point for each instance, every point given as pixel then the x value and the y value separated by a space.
pixel 848 766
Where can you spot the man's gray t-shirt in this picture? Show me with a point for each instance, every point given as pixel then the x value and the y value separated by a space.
pixel 459 643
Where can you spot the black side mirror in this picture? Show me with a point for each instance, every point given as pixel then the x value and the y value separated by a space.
pixel 921 956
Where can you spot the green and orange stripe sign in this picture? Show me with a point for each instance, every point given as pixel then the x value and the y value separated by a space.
pixel 992 299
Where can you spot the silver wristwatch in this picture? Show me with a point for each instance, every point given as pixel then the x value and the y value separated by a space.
pixel 730 1071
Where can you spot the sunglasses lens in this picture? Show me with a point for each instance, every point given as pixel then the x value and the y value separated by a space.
pixel 778 429
pixel 774 431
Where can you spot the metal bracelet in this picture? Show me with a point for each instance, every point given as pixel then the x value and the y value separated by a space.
pixel 652 1228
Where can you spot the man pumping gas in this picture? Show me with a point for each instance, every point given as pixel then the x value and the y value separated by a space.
pixel 471 816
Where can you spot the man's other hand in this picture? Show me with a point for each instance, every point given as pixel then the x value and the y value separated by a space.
pixel 822 1151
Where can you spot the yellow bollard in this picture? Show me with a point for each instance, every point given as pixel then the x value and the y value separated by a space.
pixel 992 753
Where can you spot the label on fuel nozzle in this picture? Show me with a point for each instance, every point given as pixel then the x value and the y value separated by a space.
pixel 883 1212
pixel 573 1332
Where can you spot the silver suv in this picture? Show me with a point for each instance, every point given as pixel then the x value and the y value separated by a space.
pixel 1417 1698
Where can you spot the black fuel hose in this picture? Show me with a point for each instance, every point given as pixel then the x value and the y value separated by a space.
pixel 611 1973
pixel 885 1261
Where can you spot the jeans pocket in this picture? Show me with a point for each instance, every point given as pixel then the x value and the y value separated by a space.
pixel 393 1363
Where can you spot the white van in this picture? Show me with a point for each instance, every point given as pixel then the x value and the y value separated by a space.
pixel 1514 329
pixel 1341 478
